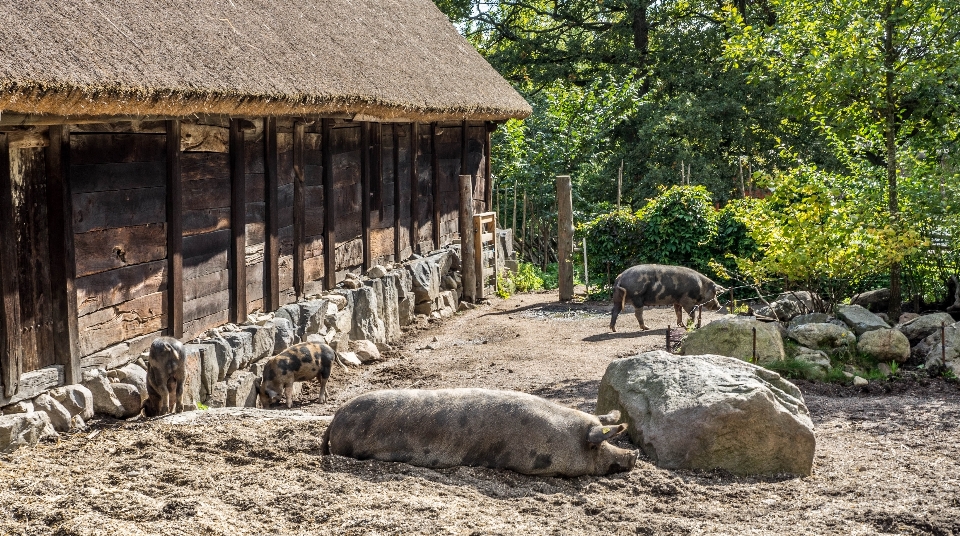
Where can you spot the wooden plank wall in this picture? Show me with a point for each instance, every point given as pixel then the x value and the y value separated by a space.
pixel 285 196
pixel 255 196
pixel 205 173
pixel 382 199
pixel 448 146
pixel 118 184
pixel 424 193
pixel 345 150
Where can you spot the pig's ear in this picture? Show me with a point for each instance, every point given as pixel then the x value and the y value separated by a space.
pixel 610 418
pixel 599 434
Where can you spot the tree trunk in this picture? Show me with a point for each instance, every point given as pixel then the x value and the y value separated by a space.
pixel 890 132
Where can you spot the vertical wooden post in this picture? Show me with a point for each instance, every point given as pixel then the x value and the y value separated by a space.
pixel 365 188
pixel 299 248
pixel 329 215
pixel 467 239
pixel 754 360
pixel 271 184
pixel 435 174
pixel 523 228
pixel 12 355
pixel 396 192
pixel 238 224
pixel 174 232
pixel 619 183
pixel 565 236
pixel 63 263
pixel 414 187
pixel 586 270
pixel 377 169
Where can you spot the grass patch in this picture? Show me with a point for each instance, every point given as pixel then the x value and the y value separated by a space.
pixel 795 369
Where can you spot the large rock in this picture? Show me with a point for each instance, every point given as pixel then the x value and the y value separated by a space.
pixel 285 335
pixel 242 390
pixel 24 430
pixel 367 323
pixel 710 412
pixel 242 344
pixel 312 314
pixel 937 352
pixel 105 401
pixel 192 381
pixel 130 399
pixel 874 301
pixel 388 298
pixel 209 366
pixel 263 340
pixel 291 313
pixel 425 279
pixel 218 395
pixel 885 345
pixel 733 336
pixel 405 311
pixel 59 416
pixel 859 319
pixel 812 318
pixel 23 406
pixel 823 336
pixel 135 376
pixel 819 360
pixel 366 351
pixel 789 305
pixel 76 398
pixel 923 326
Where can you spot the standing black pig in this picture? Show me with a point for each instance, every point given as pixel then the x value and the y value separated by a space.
pixel 658 284
pixel 165 374
pixel 480 428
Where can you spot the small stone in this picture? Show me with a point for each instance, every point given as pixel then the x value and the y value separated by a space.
pixel 340 342
pixel 337 299
pixel 885 370
pixel 351 284
pixel 350 358
pixel 859 381
pixel 376 272
pixel 59 416
pixel 366 351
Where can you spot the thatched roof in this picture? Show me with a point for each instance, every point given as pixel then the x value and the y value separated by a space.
pixel 383 58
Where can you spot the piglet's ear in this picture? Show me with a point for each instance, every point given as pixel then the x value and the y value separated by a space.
pixel 610 418
pixel 599 434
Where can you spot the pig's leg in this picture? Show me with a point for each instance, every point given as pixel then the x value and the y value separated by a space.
pixel 288 392
pixel 323 387
pixel 679 310
pixel 175 394
pixel 619 295
pixel 638 311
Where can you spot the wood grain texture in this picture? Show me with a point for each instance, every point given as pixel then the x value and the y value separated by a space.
pixel 174 232
pixel 238 301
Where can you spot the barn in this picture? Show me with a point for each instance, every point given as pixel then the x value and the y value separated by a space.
pixel 167 167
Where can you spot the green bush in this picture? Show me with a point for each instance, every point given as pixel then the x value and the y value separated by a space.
pixel 795 369
pixel 528 278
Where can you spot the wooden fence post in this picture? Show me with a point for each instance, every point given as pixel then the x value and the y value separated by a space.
pixel 565 236
pixel 467 245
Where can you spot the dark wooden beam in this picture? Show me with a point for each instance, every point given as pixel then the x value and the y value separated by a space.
pixel 12 353
pixel 435 175
pixel 414 187
pixel 174 232
pixel 299 248
pixel 365 189
pixel 238 224
pixel 271 249
pixel 329 212
pixel 63 263
pixel 377 200
pixel 488 184
pixel 396 192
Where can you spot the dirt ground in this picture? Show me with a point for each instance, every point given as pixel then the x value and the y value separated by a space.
pixel 886 462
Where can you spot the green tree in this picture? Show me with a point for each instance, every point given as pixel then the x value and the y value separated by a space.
pixel 875 76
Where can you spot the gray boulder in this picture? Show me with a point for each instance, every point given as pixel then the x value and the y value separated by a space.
pixel 135 376
pixel 859 319
pixel 823 336
pixel 59 416
pixel 733 336
pixel 922 327
pixel 23 406
pixel 873 300
pixel 105 401
pixel 376 272
pixel 291 313
pixel 819 360
pixel 76 398
pixel 218 395
pixel 885 345
pixel 129 398
pixel 812 318
pixel 192 381
pixel 425 278
pixel 710 412
pixel 312 315
pixel 24 430
pixel 366 351
pixel 285 335
pixel 242 390
pixel 242 344
pixel 388 299
pixel 789 305
pixel 367 323
pixel 938 353
pixel 262 340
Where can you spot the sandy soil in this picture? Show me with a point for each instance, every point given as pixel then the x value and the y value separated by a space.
pixel 886 462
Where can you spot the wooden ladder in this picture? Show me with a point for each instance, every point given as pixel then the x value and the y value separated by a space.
pixel 485 248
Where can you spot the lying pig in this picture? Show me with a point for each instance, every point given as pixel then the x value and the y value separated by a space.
pixel 300 362
pixel 657 284
pixel 165 374
pixel 477 427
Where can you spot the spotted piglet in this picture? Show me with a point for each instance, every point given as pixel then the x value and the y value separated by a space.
pixel 165 375
pixel 300 362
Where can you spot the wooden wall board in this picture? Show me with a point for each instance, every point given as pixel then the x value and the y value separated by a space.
pixel 109 249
